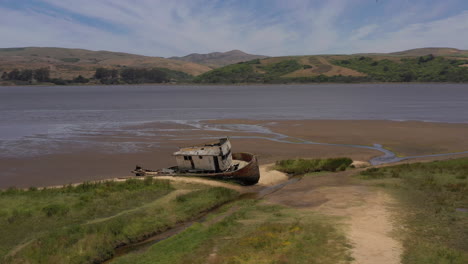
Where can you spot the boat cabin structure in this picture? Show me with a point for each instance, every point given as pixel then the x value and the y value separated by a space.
pixel 212 160
pixel 209 157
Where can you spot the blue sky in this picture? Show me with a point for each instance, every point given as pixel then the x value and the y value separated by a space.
pixel 269 27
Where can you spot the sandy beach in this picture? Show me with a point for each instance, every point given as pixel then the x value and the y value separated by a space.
pixel 73 163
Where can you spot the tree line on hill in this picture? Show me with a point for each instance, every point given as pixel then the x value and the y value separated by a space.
pixel 420 69
pixel 101 75
pixel 140 75
pixel 27 75
pixel 41 75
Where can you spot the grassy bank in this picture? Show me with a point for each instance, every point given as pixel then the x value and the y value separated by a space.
pixel 304 166
pixel 84 224
pixel 249 231
pixel 434 197
pixel 419 69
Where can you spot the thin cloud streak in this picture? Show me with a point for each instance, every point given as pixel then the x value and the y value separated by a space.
pixel 175 28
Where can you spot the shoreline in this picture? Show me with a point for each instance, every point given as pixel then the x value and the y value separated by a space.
pixel 225 84
pixel 100 156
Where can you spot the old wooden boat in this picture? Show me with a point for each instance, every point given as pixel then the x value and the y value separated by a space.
pixel 212 160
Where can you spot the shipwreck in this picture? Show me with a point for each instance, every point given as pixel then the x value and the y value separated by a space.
pixel 212 160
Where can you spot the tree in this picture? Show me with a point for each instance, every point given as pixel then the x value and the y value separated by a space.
pixel 5 76
pixel 14 74
pixel 42 74
pixel 102 73
pixel 128 75
pixel 26 75
pixel 114 74
pixel 424 59
pixel 80 79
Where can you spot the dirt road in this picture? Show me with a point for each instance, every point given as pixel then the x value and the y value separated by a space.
pixel 365 212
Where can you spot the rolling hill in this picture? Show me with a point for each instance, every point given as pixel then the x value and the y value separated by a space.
pixel 444 64
pixel 219 59
pixel 446 52
pixel 423 65
pixel 69 63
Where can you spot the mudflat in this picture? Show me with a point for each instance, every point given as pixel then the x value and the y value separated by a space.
pixel 88 157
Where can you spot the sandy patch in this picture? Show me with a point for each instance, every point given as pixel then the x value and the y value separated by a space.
pixel 364 211
pixel 269 176
pixel 203 181
pixel 360 164
pixel 369 222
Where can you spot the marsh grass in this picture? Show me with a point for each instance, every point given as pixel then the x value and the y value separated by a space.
pixel 255 233
pixel 432 194
pixel 304 166
pixel 84 224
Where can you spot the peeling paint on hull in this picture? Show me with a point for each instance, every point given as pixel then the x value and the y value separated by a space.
pixel 247 175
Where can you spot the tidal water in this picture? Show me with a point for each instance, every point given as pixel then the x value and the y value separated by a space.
pixel 36 114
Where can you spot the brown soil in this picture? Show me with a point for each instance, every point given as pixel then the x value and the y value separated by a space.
pixel 408 138
pixel 57 60
pixel 364 211
pixel 77 164
pixel 338 70
pixel 320 65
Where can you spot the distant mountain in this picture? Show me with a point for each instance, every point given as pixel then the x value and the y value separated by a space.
pixel 219 59
pixel 69 63
pixel 448 52
pixel 447 64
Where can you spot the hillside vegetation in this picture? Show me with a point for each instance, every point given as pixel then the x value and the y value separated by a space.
pixel 79 66
pixel 70 63
pixel 304 166
pixel 420 69
pixel 446 52
pixel 346 68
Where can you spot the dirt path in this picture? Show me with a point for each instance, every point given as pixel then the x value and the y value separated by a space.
pixel 365 212
pixel 163 200
pixel 268 177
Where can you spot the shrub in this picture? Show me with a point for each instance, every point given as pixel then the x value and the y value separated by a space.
pixel 303 166
pixel 55 209
pixel 18 215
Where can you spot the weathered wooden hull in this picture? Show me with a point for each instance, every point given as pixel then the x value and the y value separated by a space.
pixel 247 175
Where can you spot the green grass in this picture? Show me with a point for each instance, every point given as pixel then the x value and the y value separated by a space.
pixel 84 224
pixel 414 69
pixel 304 166
pixel 254 233
pixel 433 230
pixel 419 69
pixel 235 73
pixel 281 68
pixel 244 72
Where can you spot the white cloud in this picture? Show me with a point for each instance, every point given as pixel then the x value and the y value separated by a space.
pixel 363 32
pixel 447 32
pixel 168 28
